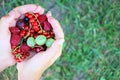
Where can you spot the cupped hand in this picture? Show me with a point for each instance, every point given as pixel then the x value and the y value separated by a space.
pixel 32 68
pixel 6 58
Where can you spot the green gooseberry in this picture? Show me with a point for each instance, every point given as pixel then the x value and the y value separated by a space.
pixel 49 42
pixel 40 40
pixel 31 42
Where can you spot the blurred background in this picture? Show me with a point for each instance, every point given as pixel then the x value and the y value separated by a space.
pixel 92 33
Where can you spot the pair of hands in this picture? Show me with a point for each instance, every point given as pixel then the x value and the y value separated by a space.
pixel 32 68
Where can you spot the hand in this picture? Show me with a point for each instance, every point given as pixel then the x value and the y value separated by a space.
pixel 6 58
pixel 32 69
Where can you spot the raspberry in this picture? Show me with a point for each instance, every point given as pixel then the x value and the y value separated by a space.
pixel 25 47
pixel 15 40
pixel 42 18
pixel 14 30
pixel 47 26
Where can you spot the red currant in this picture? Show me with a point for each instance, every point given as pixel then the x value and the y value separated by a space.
pixel 22 33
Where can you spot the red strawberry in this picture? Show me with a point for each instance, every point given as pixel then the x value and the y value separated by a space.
pixel 15 40
pixel 42 18
pixel 47 26
pixel 14 30
pixel 25 47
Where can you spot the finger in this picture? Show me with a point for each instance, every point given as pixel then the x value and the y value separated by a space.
pixel 5 24
pixel 22 9
pixel 6 19
pixel 18 11
pixel 56 28
pixel 39 10
pixel 49 14
pixel 49 55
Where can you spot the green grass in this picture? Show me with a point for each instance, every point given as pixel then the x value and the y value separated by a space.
pixel 92 34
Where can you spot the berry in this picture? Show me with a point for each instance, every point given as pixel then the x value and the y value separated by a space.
pixel 45 33
pixel 20 24
pixel 29 15
pixel 47 26
pixel 32 20
pixel 42 18
pixel 15 40
pixel 36 28
pixel 32 30
pixel 36 14
pixel 25 47
pixel 38 49
pixel 31 42
pixel 40 40
pixel 35 24
pixel 14 30
pixel 26 27
pixel 26 19
pixel 49 42
pixel 22 33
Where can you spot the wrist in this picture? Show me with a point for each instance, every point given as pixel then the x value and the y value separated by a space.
pixel 5 62
pixel 28 76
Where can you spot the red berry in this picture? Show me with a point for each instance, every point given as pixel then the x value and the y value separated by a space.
pixel 35 35
pixel 26 27
pixel 22 33
pixel 26 14
pixel 25 47
pixel 38 49
pixel 32 20
pixel 13 47
pixel 47 26
pixel 42 18
pixel 48 36
pixel 14 30
pixel 15 40
pixel 36 14
pixel 36 28
pixel 30 16
pixel 32 31
pixel 27 54
pixel 35 24
pixel 39 32
pixel 18 59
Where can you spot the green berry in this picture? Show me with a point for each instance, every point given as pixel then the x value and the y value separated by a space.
pixel 31 42
pixel 40 40
pixel 49 42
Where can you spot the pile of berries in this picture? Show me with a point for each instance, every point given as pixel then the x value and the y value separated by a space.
pixel 32 32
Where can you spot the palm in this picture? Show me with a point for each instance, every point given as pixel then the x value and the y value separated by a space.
pixel 5 47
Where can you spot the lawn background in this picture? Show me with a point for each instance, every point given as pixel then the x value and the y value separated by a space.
pixel 92 33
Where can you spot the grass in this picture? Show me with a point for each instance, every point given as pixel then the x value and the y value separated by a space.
pixel 92 34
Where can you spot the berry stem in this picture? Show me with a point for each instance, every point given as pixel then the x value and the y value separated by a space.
pixel 16 48
pixel 37 20
pixel 19 45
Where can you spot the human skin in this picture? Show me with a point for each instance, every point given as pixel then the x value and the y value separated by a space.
pixel 31 68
